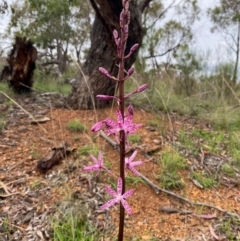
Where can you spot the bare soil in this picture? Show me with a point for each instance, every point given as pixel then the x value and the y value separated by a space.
pixel 29 198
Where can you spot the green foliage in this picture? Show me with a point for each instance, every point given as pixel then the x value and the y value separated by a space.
pixel 163 39
pixel 212 141
pixel 204 180
pixel 134 138
pixel 226 19
pixel 46 82
pixel 8 91
pixel 52 85
pixel 53 25
pixel 87 150
pixel 189 65
pixel 3 7
pixel 228 227
pixel 153 123
pixel 171 163
pixel 228 169
pixel 2 123
pixel 76 126
pixel 134 180
pixel 34 152
pixel 71 228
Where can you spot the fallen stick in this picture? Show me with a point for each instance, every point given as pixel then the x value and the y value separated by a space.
pixel 158 189
pixel 8 194
pixel 113 143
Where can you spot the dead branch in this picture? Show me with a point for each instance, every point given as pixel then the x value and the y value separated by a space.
pixel 113 143
pixel 5 189
pixel 54 156
pixel 158 189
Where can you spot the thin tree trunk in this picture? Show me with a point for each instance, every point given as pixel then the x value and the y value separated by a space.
pixel 235 73
pixel 90 82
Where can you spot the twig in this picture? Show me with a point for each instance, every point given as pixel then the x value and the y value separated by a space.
pixel 19 163
pixel 18 227
pixel 8 194
pixel 158 189
pixel 113 143
pixel 4 187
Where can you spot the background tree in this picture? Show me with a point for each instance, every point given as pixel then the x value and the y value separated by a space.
pixel 164 34
pixel 53 25
pixel 20 65
pixel 3 6
pixel 188 66
pixel 226 19
pixel 89 81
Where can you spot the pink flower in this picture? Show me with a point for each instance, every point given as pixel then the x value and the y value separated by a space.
pixel 125 124
pixel 118 197
pixel 113 127
pixel 131 165
pixel 98 164
pixel 97 127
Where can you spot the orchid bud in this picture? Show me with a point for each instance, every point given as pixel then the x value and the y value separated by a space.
pixel 126 6
pixel 103 71
pixel 124 2
pixel 142 88
pixel 105 97
pixel 128 17
pixel 134 47
pixel 130 71
pixel 122 15
pixel 125 29
pixel 115 33
pixel 117 42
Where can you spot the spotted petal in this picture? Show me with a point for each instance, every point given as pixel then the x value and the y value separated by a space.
pixel 128 193
pixel 97 127
pixel 111 191
pixel 126 206
pixel 108 204
pixel 91 168
pixel 119 117
pixel 119 186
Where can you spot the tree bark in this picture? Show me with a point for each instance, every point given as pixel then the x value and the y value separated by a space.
pixel 234 79
pixel 89 81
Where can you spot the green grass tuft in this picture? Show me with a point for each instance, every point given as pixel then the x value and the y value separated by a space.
pixel 171 163
pixel 135 138
pixel 72 229
pixel 87 150
pixel 76 126
pixel 204 180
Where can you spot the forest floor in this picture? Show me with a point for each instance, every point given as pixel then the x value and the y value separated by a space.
pixel 31 199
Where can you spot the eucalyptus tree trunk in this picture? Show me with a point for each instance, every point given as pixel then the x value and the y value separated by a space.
pixel 234 79
pixel 89 81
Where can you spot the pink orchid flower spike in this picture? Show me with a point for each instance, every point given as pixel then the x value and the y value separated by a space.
pixel 125 124
pixel 118 197
pixel 98 164
pixel 131 165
